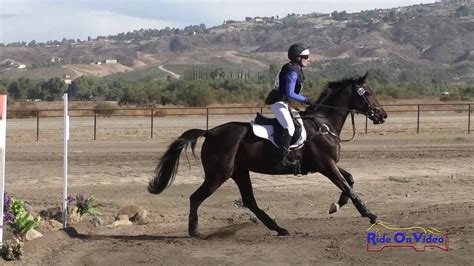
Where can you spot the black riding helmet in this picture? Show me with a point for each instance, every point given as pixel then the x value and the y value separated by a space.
pixel 296 50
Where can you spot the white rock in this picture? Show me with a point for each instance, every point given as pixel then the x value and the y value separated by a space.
pixel 32 234
pixel 121 222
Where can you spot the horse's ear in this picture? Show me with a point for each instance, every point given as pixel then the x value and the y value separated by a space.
pixel 361 80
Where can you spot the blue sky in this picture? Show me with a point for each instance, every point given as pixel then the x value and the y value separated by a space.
pixel 42 20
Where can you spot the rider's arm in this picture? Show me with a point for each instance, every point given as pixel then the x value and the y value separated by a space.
pixel 291 78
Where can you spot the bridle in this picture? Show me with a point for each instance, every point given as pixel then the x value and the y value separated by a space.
pixel 324 129
pixel 361 91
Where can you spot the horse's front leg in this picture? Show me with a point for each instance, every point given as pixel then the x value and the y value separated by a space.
pixel 335 175
pixel 344 198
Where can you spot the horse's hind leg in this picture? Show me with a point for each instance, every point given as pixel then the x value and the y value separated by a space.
pixel 344 198
pixel 209 186
pixel 242 179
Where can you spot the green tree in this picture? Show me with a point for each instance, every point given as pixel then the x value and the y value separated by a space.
pixel 273 69
pixel 36 92
pixel 196 94
pixel 463 11
pixel 18 89
pixel 32 44
pixel 84 88
pixel 54 89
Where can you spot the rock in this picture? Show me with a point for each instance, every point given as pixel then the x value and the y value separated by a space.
pixel 96 221
pixel 140 217
pixel 122 217
pixel 32 234
pixel 51 213
pixel 121 222
pixel 130 211
pixel 135 214
pixel 407 195
pixel 49 226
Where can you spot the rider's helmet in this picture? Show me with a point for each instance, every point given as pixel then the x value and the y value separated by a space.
pixel 296 50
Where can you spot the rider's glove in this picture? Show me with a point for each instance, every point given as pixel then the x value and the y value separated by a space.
pixel 307 101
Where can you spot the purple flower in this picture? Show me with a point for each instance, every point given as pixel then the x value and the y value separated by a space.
pixel 7 215
pixel 70 200
pixel 80 200
pixel 6 201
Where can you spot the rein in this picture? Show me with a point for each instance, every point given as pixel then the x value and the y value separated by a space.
pixel 324 129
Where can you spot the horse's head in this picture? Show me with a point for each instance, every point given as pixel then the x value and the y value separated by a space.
pixel 351 94
pixel 363 100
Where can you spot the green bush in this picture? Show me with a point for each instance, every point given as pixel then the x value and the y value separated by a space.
pixel 105 108
pixel 12 249
pixel 23 221
pixel 85 205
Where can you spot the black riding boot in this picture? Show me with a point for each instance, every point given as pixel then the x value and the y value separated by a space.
pixel 284 159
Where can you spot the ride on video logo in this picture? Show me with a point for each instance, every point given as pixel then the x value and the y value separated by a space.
pixel 380 236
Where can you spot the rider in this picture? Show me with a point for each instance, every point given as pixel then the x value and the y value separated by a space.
pixel 288 85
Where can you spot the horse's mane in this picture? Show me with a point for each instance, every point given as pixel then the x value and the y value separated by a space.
pixel 334 86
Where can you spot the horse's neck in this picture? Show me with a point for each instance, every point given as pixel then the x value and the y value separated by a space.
pixel 335 114
pixel 335 118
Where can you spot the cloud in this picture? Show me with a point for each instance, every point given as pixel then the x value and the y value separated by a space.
pixel 57 23
pixel 41 20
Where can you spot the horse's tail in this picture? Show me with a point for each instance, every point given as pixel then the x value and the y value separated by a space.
pixel 167 167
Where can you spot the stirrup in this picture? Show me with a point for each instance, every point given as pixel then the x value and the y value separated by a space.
pixel 295 163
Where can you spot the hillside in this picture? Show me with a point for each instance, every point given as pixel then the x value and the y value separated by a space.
pixel 421 41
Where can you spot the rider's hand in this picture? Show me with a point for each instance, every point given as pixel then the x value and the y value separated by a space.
pixel 307 101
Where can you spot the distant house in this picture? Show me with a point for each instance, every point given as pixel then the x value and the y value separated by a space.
pixel 111 61
pixel 67 79
pixel 21 66
pixel 55 59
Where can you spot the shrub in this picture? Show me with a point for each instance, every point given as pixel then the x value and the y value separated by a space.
pixel 105 108
pixel 23 221
pixel 85 205
pixel 12 249
pixel 16 215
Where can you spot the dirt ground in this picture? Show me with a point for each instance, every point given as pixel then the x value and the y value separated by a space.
pixel 405 179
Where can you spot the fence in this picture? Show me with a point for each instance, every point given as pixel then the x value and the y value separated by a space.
pixel 402 118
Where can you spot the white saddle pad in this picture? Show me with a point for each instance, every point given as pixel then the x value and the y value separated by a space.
pixel 266 132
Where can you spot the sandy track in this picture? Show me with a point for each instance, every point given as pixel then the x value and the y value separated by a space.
pixel 406 179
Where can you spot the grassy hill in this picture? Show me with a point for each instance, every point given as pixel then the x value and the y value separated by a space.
pixel 420 41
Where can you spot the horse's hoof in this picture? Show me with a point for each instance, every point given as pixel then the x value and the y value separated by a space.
pixel 197 235
pixel 283 232
pixel 372 217
pixel 334 208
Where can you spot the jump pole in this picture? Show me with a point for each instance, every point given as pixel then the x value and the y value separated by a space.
pixel 66 139
pixel 3 136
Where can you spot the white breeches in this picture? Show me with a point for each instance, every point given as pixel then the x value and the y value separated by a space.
pixel 282 113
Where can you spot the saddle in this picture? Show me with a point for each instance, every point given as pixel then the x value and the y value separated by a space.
pixel 278 128
pixel 270 129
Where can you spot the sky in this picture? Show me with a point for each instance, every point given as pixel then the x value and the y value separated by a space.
pixel 43 20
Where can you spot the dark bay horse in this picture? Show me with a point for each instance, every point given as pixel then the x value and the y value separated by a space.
pixel 232 150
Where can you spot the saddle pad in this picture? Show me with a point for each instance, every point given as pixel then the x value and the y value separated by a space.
pixel 266 132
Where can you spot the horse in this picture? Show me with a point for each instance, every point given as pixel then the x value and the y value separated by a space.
pixel 231 150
